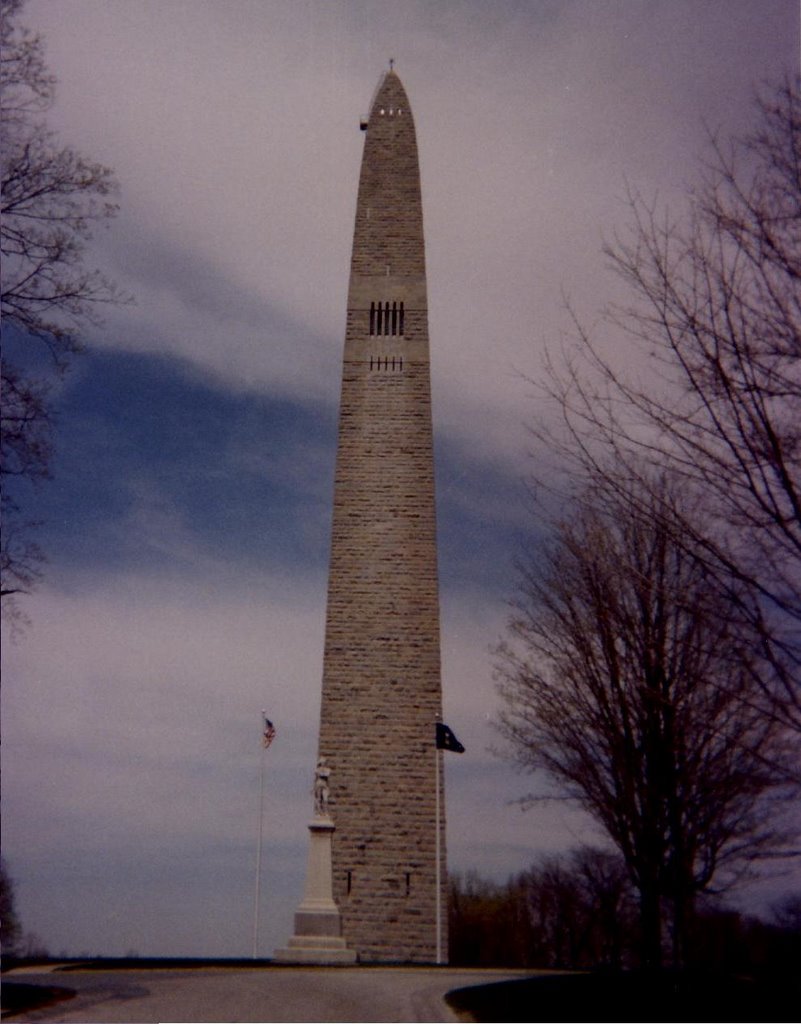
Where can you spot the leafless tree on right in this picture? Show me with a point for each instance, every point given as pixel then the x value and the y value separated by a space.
pixel 715 311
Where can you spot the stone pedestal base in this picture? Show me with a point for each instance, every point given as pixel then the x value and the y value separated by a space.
pixel 310 950
pixel 318 929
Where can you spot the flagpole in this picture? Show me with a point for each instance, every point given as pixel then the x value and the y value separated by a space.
pixel 438 853
pixel 258 851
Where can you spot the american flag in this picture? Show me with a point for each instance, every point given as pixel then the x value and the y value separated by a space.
pixel 268 734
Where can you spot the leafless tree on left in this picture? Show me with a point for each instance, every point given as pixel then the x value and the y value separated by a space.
pixel 52 197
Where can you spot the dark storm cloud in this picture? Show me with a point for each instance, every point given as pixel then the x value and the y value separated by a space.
pixel 156 466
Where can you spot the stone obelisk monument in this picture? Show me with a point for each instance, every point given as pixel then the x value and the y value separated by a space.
pixel 381 689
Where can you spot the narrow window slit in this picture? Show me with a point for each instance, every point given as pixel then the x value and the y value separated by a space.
pixel 387 318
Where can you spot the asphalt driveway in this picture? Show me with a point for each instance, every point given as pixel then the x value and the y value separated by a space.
pixel 219 994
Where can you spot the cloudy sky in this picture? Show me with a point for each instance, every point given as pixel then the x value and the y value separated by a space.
pixel 187 526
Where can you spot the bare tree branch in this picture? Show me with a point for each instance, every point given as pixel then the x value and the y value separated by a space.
pixel 628 676
pixel 716 310
pixel 50 199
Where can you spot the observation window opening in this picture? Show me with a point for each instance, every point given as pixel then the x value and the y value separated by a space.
pixel 387 319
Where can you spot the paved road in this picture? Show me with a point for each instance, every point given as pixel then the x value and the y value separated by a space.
pixel 229 995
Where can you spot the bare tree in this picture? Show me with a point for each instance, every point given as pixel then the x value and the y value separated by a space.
pixel 574 910
pixel 579 910
pixel 51 197
pixel 627 678
pixel 716 308
pixel 9 921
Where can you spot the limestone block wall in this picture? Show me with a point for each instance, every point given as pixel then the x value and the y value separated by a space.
pixel 381 676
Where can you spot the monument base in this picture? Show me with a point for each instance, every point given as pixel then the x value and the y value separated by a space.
pixel 309 949
pixel 318 928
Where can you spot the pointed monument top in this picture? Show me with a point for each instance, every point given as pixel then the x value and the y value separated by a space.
pixel 390 97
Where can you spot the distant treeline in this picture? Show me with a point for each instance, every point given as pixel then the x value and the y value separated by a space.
pixel 579 911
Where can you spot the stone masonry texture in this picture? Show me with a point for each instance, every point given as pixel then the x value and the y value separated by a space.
pixel 381 676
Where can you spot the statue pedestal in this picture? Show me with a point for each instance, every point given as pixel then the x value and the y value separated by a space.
pixel 318 929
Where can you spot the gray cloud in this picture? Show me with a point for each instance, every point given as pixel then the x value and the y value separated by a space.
pixel 233 129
